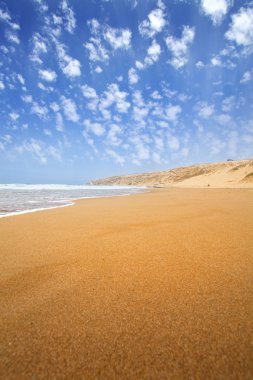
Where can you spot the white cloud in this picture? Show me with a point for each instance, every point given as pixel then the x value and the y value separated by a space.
pixel 45 88
pixel 38 150
pixel 179 47
pixel 98 70
pixel 223 119
pixel 27 98
pixel 71 67
pixel 95 128
pixel 11 34
pixel 4 15
pixel 59 122
pixel 152 56
pixel 228 104
pixel 173 112
pixel 39 110
pixel 153 53
pixel 2 86
pixel 70 109
pixel 55 107
pixel 34 147
pixel 247 76
pixel 140 113
pixel 118 38
pixel 153 24
pixel 132 76
pixel 48 75
pixel 173 143
pixel 241 28
pixel 113 135
pixel 21 79
pixel 69 16
pixel 6 138
pixel 88 92
pixel 216 61
pixel 96 50
pixel 215 9
pixel 14 116
pixel 139 65
pixel 39 47
pixel 54 152
pixel 42 7
pixel 155 95
pixel 205 110
pixel 12 37
pixel 102 35
pixel 113 95
pixel 142 151
pixel 14 26
pixel 117 157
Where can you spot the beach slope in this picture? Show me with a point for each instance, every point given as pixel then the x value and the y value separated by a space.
pixel 151 286
pixel 228 174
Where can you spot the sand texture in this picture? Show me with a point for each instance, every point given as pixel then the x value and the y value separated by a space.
pixel 150 286
pixel 229 174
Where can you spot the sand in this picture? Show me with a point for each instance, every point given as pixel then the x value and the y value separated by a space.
pixel 150 286
pixel 228 174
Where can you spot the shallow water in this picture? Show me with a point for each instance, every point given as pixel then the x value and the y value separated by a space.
pixel 21 198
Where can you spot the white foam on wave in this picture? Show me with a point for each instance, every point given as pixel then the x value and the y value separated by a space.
pixel 91 192
pixel 20 186
pixel 34 210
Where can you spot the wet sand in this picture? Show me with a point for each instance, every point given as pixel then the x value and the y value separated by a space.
pixel 150 286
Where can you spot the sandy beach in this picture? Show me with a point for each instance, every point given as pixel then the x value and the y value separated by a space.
pixel 149 286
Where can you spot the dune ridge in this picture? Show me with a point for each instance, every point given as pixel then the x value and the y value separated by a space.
pixel 226 174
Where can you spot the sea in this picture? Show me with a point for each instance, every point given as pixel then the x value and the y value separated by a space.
pixel 22 198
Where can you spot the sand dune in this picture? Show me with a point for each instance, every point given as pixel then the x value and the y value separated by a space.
pixel 227 174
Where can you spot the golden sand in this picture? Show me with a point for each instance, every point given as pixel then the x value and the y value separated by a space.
pixel 150 286
pixel 228 174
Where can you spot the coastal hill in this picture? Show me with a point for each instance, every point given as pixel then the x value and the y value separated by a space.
pixel 222 174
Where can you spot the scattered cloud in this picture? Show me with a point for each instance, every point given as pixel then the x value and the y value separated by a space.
pixel 59 122
pixel 96 128
pixel 39 47
pixel 173 112
pixel 154 23
pixel 247 77
pixel 70 109
pixel 39 110
pixel 215 9
pixel 179 48
pixel 48 75
pixel 69 16
pixel 132 76
pixel 200 65
pixel 118 38
pixel 12 37
pixel 14 116
pixel 88 92
pixel 103 39
pixel 71 67
pixel 153 53
pixel 205 110
pixel 241 29
pixel 115 156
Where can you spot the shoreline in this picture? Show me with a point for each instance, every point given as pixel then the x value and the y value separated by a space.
pixel 72 202
pixel 146 188
pixel 156 285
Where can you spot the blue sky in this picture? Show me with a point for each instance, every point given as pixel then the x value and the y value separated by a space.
pixel 95 88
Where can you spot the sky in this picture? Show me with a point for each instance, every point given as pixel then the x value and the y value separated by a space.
pixel 94 88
